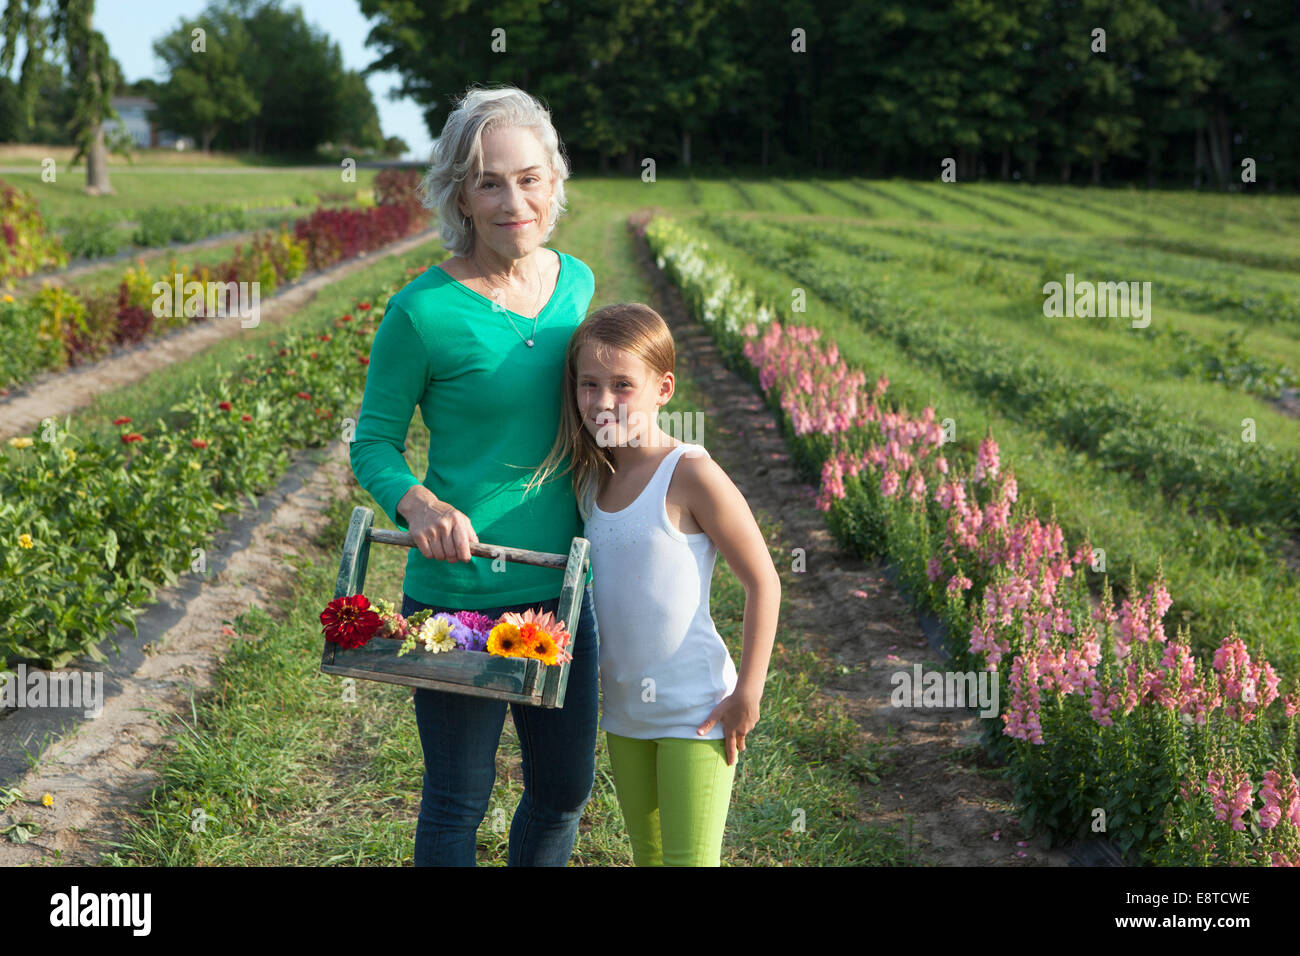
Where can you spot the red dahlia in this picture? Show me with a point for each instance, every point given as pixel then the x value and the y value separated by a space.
pixel 349 622
pixel 121 421
pixel 224 406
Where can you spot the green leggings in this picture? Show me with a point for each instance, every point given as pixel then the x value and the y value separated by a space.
pixel 674 794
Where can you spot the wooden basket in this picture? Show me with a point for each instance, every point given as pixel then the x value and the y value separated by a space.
pixel 516 679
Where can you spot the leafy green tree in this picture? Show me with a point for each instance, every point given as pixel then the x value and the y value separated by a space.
pixel 204 91
pixel 67 24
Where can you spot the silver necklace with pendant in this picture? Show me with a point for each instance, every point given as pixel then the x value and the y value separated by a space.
pixel 527 341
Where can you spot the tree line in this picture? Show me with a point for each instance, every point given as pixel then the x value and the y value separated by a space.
pixel 1175 92
pixel 1161 92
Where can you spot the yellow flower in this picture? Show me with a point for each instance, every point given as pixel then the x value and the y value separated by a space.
pixel 24 541
pixel 8 297
pixel 49 473
pixel 504 641
pixel 48 800
pixel 81 494
pixel 69 454
pixel 20 442
pixel 194 465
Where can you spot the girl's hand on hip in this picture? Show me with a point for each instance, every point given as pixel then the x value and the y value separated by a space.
pixel 738 713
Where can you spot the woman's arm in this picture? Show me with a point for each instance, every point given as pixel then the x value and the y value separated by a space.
pixel 720 509
pixel 396 379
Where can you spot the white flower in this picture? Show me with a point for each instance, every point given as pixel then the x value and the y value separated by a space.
pixel 435 635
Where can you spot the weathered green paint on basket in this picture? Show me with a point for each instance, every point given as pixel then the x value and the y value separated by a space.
pixel 516 679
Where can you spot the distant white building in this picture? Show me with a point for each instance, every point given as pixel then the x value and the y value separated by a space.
pixel 135 111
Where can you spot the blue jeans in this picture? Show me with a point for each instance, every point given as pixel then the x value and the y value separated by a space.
pixel 460 735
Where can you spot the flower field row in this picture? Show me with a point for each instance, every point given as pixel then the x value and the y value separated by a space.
pixel 1251 483
pixel 1111 725
pixel 95 522
pixel 56 327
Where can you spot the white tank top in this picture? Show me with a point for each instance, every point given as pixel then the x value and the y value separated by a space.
pixel 663 665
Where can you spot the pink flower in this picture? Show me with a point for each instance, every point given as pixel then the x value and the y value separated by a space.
pixel 889 483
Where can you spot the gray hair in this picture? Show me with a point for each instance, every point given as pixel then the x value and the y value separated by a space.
pixel 460 149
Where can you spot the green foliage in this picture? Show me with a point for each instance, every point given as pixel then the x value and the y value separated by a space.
pixel 126 514
pixel 164 225
pixel 93 236
pixel 25 247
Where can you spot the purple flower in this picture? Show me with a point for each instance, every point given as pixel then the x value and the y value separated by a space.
pixel 472 630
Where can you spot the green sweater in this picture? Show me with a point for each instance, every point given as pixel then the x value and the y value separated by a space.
pixel 492 407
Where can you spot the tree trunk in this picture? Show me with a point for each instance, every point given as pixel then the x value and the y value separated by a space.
pixel 1199 163
pixel 1096 172
pixel 686 149
pixel 1220 150
pixel 97 157
pixel 1065 171
pixel 1006 162
pixel 97 166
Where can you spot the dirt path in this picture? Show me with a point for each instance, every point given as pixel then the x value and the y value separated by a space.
pixel 854 615
pixel 106 767
pixel 55 394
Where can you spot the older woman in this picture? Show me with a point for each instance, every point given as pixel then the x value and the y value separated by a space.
pixel 478 344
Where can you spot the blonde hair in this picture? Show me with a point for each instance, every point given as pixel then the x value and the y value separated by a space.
pixel 632 327
pixel 459 151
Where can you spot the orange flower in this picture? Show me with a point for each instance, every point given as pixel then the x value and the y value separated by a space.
pixel 543 647
pixel 545 621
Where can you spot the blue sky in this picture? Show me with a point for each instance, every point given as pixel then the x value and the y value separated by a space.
pixel 131 26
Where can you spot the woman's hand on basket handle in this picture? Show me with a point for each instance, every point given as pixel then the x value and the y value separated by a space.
pixel 440 531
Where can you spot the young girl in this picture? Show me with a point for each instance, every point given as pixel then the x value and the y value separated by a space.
pixel 657 512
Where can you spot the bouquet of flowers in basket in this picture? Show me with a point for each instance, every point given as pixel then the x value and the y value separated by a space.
pixel 352 622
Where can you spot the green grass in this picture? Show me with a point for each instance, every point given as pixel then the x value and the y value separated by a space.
pixel 139 188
